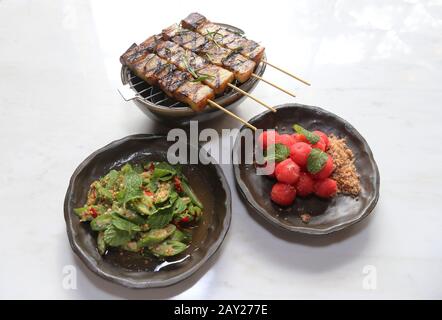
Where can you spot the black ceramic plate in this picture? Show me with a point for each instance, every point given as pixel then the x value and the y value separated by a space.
pixel 128 269
pixel 327 215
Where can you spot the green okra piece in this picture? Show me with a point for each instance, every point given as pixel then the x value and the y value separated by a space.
pixel 168 248
pixel 101 245
pixel 144 205
pixel 123 224
pixel 130 215
pixel 131 246
pixel 101 222
pixel 156 236
pixel 162 193
pixel 181 236
pixel 188 190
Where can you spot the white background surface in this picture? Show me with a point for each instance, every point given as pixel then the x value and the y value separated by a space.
pixel 375 63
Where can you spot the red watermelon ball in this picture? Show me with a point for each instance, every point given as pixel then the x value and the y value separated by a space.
pixel 287 171
pixel 323 137
pixel 326 171
pixel 286 140
pixel 283 194
pixel 267 137
pixel 320 145
pixel 326 188
pixel 299 153
pixel 305 185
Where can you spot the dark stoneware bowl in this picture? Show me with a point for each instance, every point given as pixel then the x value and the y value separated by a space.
pixel 327 215
pixel 128 269
pixel 180 116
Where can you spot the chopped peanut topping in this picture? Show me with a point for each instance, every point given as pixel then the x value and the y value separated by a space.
pixel 345 172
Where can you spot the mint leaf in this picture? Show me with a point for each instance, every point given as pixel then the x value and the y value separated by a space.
pixel 111 179
pixel 161 218
pixel 179 206
pixel 279 153
pixel 132 187
pixel 115 237
pixel 311 137
pixel 316 160
pixel 164 171
pixel 101 222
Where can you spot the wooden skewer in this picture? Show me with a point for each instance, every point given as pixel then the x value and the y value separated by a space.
pixel 273 85
pixel 251 97
pixel 216 105
pixel 286 72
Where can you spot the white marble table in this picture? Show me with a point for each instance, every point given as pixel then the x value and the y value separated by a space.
pixel 375 63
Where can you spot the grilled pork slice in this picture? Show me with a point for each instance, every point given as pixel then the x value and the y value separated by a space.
pixel 216 77
pixel 133 55
pixel 248 48
pixel 183 59
pixel 214 53
pixel 194 94
pixel 167 49
pixel 208 28
pixel 184 37
pixel 171 31
pixel 193 21
pixel 150 44
pixel 232 40
pixel 138 68
pixel 254 51
pixel 178 84
pixel 172 81
pixel 155 69
pixel 240 65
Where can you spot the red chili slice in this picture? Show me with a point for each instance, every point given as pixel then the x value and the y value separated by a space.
pixel 177 183
pixel 184 219
pixel 93 212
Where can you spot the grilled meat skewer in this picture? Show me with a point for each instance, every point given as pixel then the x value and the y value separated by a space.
pixel 159 72
pixel 209 49
pixel 214 76
pixel 223 36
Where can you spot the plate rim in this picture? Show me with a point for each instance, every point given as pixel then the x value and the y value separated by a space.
pixel 92 264
pixel 251 203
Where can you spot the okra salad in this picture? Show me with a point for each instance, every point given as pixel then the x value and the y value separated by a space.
pixel 148 209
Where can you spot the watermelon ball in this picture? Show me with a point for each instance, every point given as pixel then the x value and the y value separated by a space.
pixel 323 137
pixel 287 171
pixel 283 194
pixel 300 138
pixel 286 140
pixel 326 188
pixel 319 145
pixel 299 153
pixel 305 185
pixel 326 171
pixel 267 137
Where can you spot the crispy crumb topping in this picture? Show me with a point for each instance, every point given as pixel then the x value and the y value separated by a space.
pixel 345 172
